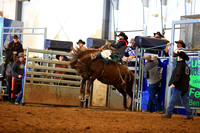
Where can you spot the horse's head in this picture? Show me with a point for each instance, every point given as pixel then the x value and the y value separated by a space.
pixel 80 61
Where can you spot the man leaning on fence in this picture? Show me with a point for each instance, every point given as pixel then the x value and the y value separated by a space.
pixel 152 75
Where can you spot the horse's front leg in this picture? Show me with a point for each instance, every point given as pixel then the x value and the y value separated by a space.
pixel 90 81
pixel 88 88
pixel 82 89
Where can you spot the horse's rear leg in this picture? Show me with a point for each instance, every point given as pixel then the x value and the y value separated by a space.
pixel 130 92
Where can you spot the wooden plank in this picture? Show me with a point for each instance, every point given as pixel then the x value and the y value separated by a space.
pixel 99 94
pixel 54 81
pixel 52 68
pixel 56 75
pixel 51 94
pixel 49 61
pixel 49 52
pixel 116 100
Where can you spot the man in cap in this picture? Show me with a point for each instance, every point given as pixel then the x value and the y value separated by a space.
pixel 81 44
pixel 17 73
pixel 129 53
pixel 122 43
pixel 15 46
pixel 152 75
pixel 179 83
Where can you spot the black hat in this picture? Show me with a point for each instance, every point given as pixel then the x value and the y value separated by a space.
pixel 158 34
pixel 15 37
pixel 181 42
pixel 65 58
pixel 80 41
pixel 123 34
pixel 183 55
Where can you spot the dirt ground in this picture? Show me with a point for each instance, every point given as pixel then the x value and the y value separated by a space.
pixel 40 118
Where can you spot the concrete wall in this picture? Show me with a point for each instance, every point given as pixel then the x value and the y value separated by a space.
pixel 67 20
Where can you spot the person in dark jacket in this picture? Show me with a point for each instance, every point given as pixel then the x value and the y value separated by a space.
pixel 122 43
pixel 179 83
pixel 15 46
pixel 17 72
pixel 153 79
pixel 9 77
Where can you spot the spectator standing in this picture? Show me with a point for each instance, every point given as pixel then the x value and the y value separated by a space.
pixel 152 75
pixel 17 72
pixel 15 46
pixel 179 83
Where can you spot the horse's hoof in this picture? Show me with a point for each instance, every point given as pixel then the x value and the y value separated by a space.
pixel 128 110
pixel 87 95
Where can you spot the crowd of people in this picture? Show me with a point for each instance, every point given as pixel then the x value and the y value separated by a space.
pixel 179 81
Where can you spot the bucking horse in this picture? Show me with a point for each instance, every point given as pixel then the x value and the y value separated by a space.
pixel 108 73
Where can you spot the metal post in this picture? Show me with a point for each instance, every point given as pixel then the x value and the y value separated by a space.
pixel 134 84
pixel 161 12
pixel 1 51
pixel 27 55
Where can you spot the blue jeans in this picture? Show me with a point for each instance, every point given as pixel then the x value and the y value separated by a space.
pixel 19 97
pixel 153 90
pixel 99 55
pixel 176 95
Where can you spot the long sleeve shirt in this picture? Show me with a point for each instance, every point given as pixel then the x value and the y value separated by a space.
pixel 180 76
pixel 152 68
pixel 18 69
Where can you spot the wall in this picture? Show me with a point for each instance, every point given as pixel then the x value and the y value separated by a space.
pixel 8 7
pixel 65 20
pixel 130 15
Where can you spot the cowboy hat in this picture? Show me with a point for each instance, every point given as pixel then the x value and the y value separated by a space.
pixel 65 58
pixel 80 41
pixel 123 35
pixel 181 42
pixel 183 55
pixel 158 34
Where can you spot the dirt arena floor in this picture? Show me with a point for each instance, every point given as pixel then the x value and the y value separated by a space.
pixel 40 118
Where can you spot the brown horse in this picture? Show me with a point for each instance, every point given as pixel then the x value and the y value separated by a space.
pixel 108 73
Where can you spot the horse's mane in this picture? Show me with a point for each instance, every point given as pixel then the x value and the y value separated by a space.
pixel 77 53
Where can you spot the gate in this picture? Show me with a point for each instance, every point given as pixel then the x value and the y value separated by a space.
pixel 40 84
